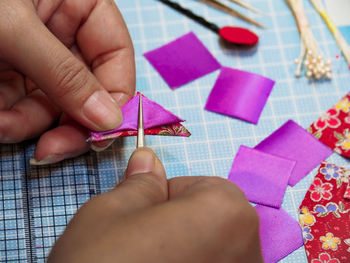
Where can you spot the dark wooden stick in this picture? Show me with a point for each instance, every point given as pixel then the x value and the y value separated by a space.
pixel 191 15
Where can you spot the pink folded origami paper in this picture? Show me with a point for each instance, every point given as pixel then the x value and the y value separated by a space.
pixel 280 233
pixel 261 176
pixel 157 121
pixel 239 94
pixel 182 60
pixel 293 142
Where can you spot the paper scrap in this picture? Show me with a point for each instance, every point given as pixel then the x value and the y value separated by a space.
pixel 239 94
pixel 261 176
pixel 292 142
pixel 280 234
pixel 182 60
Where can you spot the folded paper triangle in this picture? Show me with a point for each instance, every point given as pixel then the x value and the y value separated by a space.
pixel 157 121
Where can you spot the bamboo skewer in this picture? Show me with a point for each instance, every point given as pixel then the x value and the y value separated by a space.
pixel 216 4
pixel 247 6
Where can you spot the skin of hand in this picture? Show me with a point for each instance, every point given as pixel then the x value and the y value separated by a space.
pixel 65 62
pixel 147 218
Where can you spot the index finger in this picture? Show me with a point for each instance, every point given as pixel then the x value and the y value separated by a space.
pixel 103 40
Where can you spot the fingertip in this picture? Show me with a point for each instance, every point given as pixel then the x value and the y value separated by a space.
pixel 145 180
pixel 101 145
pixel 63 142
pixel 50 159
pixel 121 98
pixel 102 111
pixel 143 160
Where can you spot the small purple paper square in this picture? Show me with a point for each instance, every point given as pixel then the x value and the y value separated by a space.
pixel 261 176
pixel 280 234
pixel 239 94
pixel 293 142
pixel 182 60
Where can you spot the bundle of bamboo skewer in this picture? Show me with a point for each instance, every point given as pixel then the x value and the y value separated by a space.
pixel 310 56
pixel 222 7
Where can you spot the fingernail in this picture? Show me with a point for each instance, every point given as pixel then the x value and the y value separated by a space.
pixel 50 159
pixel 143 160
pixel 121 98
pixel 101 146
pixel 102 111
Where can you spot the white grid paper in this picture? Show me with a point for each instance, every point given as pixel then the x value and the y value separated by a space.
pixel 215 138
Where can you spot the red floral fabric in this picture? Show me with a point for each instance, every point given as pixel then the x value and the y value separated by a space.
pixel 324 216
pixel 333 127
pixel 176 129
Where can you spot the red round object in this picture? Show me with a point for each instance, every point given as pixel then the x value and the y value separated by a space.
pixel 238 35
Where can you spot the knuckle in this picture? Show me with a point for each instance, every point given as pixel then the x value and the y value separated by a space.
pixel 227 202
pixel 219 190
pixel 148 186
pixel 71 77
pixel 71 7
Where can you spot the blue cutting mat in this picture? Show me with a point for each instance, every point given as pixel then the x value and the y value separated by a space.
pixel 36 203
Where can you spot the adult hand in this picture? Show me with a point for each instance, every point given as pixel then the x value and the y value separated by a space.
pixel 148 218
pixel 70 56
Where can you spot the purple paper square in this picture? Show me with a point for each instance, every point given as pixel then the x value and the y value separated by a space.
pixel 239 94
pixel 182 60
pixel 261 176
pixel 293 142
pixel 280 234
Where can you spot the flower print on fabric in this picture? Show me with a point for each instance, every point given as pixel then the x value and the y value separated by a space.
pixel 322 210
pixel 347 119
pixel 347 192
pixel 327 220
pixel 174 130
pixel 330 171
pixel 333 172
pixel 343 139
pixel 305 217
pixel 333 127
pixel 329 241
pixel 325 258
pixel 320 190
pixel 347 242
pixel 336 209
pixel 328 119
pixel 343 105
pixel 307 236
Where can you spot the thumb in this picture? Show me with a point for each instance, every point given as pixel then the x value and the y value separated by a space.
pixel 35 51
pixel 145 182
